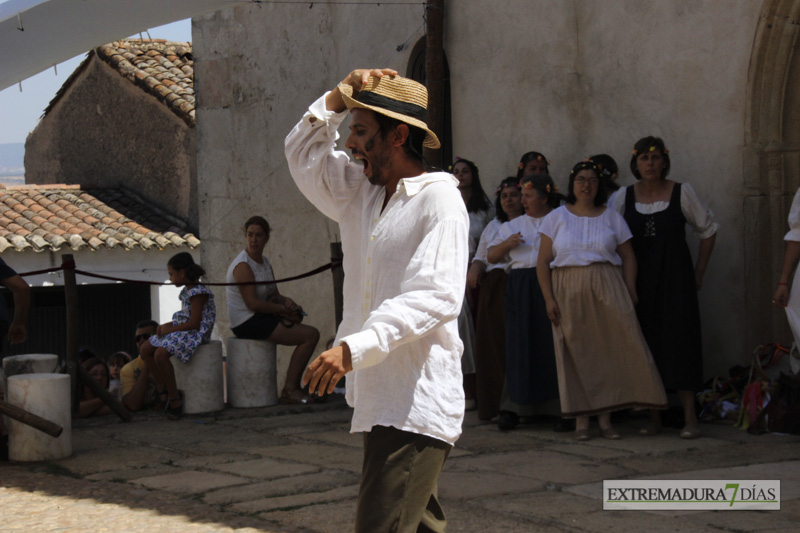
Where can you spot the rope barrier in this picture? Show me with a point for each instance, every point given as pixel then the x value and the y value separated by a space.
pixel 71 266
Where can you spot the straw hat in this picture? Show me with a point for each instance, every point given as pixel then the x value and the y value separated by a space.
pixel 396 97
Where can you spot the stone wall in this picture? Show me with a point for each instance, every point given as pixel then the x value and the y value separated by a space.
pixel 565 78
pixel 105 131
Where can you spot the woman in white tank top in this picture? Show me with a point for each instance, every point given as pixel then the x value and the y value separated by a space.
pixel 262 312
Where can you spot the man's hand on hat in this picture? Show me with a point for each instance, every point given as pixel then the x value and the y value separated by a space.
pixel 359 77
pixel 356 80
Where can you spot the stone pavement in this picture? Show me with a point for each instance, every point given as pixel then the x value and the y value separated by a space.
pixel 296 469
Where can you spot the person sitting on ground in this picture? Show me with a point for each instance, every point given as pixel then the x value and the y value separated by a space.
pixel 90 404
pixel 260 312
pixel 138 387
pixel 116 361
pixel 190 327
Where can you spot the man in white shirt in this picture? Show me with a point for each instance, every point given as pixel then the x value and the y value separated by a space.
pixel 404 236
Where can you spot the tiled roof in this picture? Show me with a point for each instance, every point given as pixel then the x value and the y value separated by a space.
pixel 163 69
pixel 49 217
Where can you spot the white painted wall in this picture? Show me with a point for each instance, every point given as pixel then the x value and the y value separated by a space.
pixel 564 77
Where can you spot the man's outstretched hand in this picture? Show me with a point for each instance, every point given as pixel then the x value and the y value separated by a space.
pixel 325 371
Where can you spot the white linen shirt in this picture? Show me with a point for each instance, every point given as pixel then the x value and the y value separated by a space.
pixel 488 235
pixel 581 241
pixel 403 286
pixel 526 254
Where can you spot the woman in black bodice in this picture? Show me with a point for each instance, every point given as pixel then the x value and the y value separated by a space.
pixel 657 211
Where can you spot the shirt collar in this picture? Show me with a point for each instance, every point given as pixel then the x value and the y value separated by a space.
pixel 413 185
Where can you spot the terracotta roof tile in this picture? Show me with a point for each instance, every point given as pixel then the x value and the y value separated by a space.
pixel 147 63
pixel 161 68
pixel 48 217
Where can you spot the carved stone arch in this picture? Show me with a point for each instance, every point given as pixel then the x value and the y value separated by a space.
pixel 771 165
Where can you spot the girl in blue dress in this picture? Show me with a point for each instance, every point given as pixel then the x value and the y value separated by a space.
pixel 190 327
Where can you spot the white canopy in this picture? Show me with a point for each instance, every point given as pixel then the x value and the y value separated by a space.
pixel 37 34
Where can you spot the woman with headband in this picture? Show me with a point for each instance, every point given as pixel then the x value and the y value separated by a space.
pixel 587 272
pixel 532 382
pixel 657 211
pixel 479 210
pixel 490 353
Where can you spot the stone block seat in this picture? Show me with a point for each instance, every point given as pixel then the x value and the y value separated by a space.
pixel 48 396
pixel 251 372
pixel 201 379
pixel 31 363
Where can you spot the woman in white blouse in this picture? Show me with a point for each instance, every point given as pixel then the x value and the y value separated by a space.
pixel 480 212
pixel 657 211
pixel 490 353
pixel 783 297
pixel 602 358
pixel 532 382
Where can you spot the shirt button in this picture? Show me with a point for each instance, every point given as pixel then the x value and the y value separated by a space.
pixel 369 260
pixel 372 238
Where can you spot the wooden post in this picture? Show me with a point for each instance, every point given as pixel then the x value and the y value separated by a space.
pixel 71 304
pixel 78 375
pixel 434 74
pixel 103 394
pixel 30 419
pixel 338 281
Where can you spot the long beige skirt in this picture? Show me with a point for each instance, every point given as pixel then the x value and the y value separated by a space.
pixel 602 358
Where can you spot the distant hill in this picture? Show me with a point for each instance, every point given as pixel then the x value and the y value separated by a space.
pixel 12 160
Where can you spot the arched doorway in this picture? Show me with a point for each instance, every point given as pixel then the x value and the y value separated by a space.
pixel 771 162
pixel 416 71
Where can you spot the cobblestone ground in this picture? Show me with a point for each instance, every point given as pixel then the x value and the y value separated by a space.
pixel 297 470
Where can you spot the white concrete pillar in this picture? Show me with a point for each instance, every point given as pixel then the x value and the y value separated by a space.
pixel 201 379
pixel 46 395
pixel 31 363
pixel 252 373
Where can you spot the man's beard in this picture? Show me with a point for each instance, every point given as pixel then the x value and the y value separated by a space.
pixel 379 162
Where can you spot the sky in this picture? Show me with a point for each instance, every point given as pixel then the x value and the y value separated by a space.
pixel 20 111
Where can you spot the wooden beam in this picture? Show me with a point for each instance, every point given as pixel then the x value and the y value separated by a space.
pixel 434 74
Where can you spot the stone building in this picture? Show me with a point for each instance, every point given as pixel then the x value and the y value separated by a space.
pixel 118 139
pixel 568 79
pixel 125 117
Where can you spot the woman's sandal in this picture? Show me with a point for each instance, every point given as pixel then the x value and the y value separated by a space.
pixel 610 433
pixel 582 435
pixel 163 397
pixel 650 429
pixel 175 413
pixel 691 431
pixel 297 397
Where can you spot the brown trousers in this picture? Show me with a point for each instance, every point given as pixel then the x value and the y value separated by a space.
pixel 399 482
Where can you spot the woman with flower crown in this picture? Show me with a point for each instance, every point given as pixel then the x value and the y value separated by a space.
pixel 532 382
pixel 490 352
pixel 657 211
pixel 587 273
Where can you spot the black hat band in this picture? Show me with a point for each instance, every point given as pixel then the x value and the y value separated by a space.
pixel 390 104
